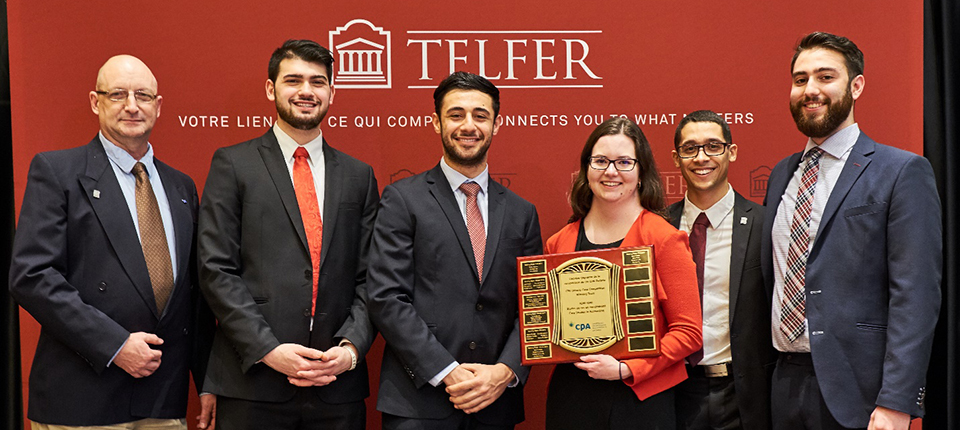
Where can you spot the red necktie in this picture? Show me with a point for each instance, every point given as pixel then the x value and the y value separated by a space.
pixel 698 246
pixel 478 237
pixel 793 305
pixel 309 213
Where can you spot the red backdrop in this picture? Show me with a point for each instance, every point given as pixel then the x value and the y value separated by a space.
pixel 562 65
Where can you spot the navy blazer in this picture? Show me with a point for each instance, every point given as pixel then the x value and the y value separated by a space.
pixel 872 280
pixel 750 345
pixel 78 268
pixel 256 273
pixel 426 299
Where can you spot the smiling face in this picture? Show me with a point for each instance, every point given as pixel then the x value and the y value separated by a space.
pixel 126 123
pixel 822 95
pixel 466 126
pixel 303 94
pixel 705 175
pixel 611 185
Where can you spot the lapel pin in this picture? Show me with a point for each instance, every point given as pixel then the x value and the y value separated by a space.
pixel 96 194
pixel 184 201
pixel 743 220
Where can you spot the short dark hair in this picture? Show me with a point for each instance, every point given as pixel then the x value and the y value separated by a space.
pixel 702 116
pixel 306 50
pixel 466 81
pixel 843 46
pixel 651 189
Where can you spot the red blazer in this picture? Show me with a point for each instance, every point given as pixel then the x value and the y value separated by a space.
pixel 678 316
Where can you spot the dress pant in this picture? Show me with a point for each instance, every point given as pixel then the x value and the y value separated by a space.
pixel 795 399
pixel 707 403
pixel 456 421
pixel 305 411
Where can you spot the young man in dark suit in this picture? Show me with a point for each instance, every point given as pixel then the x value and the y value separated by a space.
pixel 285 226
pixel 443 277
pixel 852 257
pixel 729 381
pixel 104 259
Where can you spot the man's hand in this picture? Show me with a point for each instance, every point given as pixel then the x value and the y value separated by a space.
pixel 136 357
pixel 335 361
pixel 457 375
pixel 486 386
pixel 208 411
pixel 290 358
pixel 603 366
pixel 888 419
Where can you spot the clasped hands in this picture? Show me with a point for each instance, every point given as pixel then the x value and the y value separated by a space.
pixel 307 367
pixel 473 387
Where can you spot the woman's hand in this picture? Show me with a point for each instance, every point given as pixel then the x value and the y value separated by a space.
pixel 603 366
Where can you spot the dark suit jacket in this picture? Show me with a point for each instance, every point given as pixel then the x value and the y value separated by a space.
pixel 750 344
pixel 78 268
pixel 426 299
pixel 256 273
pixel 872 280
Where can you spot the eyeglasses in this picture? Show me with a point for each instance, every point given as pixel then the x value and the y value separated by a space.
pixel 712 149
pixel 120 95
pixel 600 162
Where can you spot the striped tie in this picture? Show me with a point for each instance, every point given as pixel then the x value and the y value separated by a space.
pixel 478 237
pixel 792 309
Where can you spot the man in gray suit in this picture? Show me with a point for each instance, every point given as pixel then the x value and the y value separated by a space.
pixel 729 381
pixel 285 225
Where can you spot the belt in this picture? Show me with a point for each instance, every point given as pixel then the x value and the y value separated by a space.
pixel 711 370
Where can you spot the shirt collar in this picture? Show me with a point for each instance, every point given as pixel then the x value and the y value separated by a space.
pixel 288 145
pixel 455 178
pixel 124 160
pixel 715 214
pixel 839 143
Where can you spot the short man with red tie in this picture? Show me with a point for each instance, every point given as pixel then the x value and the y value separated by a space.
pixel 852 258
pixel 285 225
pixel 729 381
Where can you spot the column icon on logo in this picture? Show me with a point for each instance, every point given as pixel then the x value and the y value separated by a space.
pixel 758 181
pixel 362 53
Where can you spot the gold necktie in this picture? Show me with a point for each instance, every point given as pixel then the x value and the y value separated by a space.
pixel 153 239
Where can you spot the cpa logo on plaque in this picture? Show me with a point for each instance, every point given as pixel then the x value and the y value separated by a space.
pixel 362 55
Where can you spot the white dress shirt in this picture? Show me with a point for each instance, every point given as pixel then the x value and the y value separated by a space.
pixel 317 167
pixel 716 275
pixel 836 150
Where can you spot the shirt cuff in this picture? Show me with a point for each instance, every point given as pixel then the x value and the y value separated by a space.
pixel 118 352
pixel 436 380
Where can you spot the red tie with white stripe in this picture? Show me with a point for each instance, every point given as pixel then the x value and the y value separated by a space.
pixel 478 237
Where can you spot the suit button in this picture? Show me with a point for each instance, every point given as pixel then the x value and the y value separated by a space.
pixel 308 275
pixel 306 312
pixel 473 345
pixel 103 286
pixel 479 306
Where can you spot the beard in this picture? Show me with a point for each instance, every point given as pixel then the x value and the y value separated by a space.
pixel 289 115
pixel 836 114
pixel 450 151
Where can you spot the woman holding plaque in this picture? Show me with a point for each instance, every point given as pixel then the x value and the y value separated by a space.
pixel 618 201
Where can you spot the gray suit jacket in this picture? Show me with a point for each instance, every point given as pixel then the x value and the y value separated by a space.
pixel 872 280
pixel 426 299
pixel 750 344
pixel 255 268
pixel 78 268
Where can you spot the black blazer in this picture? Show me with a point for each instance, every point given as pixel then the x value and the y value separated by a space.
pixel 426 299
pixel 78 268
pixel 872 280
pixel 256 273
pixel 753 354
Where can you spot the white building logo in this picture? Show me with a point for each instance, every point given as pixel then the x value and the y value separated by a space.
pixel 362 53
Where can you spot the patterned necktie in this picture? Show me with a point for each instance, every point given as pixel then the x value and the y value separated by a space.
pixel 478 237
pixel 309 213
pixel 153 238
pixel 793 304
pixel 698 246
